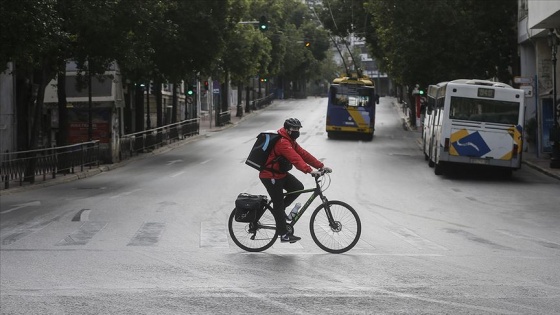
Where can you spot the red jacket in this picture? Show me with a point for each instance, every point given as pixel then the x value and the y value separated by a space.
pixel 294 153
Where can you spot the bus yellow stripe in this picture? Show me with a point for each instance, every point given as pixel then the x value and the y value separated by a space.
pixel 357 116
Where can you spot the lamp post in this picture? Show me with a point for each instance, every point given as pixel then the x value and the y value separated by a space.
pixel 553 42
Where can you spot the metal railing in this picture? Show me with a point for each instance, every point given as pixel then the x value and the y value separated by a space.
pixel 223 118
pixel 149 140
pixel 28 166
pixel 262 102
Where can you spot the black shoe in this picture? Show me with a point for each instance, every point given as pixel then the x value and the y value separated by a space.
pixel 289 238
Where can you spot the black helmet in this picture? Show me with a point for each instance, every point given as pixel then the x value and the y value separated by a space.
pixel 292 123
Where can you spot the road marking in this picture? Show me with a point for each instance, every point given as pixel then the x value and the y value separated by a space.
pixel 541 241
pixel 148 234
pixel 177 174
pixel 125 193
pixel 22 205
pixel 173 162
pixel 82 215
pixel 83 234
pixel 213 235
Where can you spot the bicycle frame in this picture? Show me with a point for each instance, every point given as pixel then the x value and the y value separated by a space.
pixel 316 193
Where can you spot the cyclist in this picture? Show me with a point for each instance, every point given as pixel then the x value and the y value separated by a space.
pixel 276 179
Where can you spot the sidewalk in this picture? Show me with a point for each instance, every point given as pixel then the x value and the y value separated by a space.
pixel 542 163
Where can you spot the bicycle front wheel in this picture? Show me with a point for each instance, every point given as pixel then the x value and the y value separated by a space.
pixel 335 227
pixel 253 237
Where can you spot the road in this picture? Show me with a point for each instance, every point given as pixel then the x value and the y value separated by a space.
pixel 150 237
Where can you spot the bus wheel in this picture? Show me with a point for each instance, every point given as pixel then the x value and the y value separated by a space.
pixel 439 168
pixel 430 161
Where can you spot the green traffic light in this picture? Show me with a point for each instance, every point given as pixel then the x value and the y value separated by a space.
pixel 263 23
pixel 190 92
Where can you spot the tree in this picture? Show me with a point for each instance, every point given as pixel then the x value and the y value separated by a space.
pixel 422 43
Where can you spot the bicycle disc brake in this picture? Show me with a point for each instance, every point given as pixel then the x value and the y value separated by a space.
pixel 336 226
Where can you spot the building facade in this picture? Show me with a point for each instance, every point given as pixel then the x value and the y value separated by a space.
pixel 538 20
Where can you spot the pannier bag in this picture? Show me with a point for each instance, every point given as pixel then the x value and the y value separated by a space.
pixel 261 149
pixel 247 206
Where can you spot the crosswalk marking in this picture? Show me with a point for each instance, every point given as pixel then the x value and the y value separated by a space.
pixel 83 234
pixel 148 234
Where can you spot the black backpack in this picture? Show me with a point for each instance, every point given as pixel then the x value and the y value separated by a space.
pixel 260 152
pixel 261 149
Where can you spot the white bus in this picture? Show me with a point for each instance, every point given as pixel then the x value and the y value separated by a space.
pixel 476 122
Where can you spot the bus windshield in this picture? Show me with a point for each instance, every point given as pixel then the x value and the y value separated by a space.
pixel 484 110
pixel 351 96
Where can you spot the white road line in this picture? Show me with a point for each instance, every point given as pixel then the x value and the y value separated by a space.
pixel 177 174
pixel 173 162
pixel 22 205
pixel 125 193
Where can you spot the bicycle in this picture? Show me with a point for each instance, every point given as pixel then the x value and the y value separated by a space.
pixel 334 225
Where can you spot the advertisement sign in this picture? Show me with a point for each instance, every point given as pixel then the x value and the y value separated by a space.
pixel 78 125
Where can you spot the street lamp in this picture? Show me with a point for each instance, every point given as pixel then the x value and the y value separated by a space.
pixel 553 42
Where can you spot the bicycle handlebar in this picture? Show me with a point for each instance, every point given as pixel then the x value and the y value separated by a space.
pixel 322 172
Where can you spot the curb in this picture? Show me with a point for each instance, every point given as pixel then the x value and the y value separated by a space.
pixel 540 169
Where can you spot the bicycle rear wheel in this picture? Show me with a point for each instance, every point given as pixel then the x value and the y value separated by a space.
pixel 253 237
pixel 335 228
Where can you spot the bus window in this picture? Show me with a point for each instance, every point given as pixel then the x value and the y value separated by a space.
pixel 350 96
pixel 483 110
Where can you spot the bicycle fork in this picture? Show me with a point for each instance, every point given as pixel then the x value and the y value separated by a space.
pixel 332 223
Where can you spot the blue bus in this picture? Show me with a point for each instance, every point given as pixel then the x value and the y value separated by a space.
pixel 351 107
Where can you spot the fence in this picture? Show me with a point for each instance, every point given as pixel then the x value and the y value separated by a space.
pixel 145 141
pixel 29 166
pixel 262 102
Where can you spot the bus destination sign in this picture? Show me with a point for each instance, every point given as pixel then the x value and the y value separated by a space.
pixel 489 93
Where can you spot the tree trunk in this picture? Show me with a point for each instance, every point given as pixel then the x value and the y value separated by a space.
pixel 159 102
pixel 139 108
pixel 62 135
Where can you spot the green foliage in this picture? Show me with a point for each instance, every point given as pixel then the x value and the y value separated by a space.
pixel 30 32
pixel 432 41
pixel 247 53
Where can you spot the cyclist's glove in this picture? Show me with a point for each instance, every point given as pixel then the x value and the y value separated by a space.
pixel 326 169
pixel 315 173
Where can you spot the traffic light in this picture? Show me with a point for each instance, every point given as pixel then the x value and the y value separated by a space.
pixel 307 44
pixel 264 79
pixel 263 23
pixel 206 85
pixel 190 89
pixel 421 92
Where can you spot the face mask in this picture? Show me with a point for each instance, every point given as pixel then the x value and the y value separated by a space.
pixel 294 134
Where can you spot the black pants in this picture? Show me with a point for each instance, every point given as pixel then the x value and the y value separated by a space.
pixel 275 188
